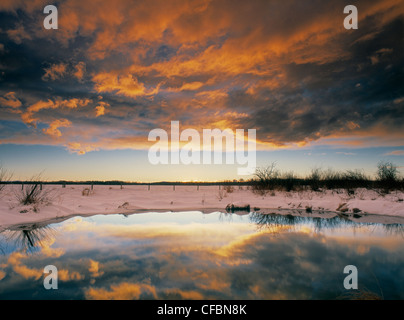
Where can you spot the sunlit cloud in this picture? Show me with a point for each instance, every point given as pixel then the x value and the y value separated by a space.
pixel 79 70
pixel 100 110
pixel 53 129
pixel 79 148
pixel 122 291
pixel 15 260
pixel 10 100
pixel 28 116
pixel 94 269
pixel 55 71
pixel 67 275
pixel 62 70
pixel 125 85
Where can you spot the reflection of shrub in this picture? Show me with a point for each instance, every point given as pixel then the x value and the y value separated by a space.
pixel 235 207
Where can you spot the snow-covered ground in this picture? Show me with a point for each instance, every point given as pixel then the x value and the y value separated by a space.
pixel 76 200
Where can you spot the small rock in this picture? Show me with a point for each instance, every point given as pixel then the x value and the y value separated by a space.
pixel 256 209
pixel 309 209
pixel 124 206
pixel 24 211
pixel 356 210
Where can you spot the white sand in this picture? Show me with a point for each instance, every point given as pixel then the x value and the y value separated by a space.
pixel 69 201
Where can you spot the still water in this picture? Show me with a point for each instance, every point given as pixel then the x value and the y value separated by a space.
pixel 192 255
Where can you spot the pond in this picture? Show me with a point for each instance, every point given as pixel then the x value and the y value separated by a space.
pixel 195 255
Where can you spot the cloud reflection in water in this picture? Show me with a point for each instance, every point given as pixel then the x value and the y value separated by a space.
pixel 206 256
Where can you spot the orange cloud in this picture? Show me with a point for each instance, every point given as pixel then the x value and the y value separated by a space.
pixel 187 294
pixel 79 70
pixel 55 71
pixel 48 251
pixel 80 148
pixel 190 86
pixel 28 116
pixel 125 85
pixel 122 291
pixel 101 108
pixel 54 126
pixel 61 70
pixel 10 100
pixel 15 261
pixel 66 275
pixel 95 268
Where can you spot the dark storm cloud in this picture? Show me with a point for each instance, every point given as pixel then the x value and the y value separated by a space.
pixel 359 91
pixel 287 68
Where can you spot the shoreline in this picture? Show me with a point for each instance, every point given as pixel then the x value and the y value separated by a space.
pixel 365 219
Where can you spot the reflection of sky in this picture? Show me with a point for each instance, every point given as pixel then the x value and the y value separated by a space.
pixel 202 256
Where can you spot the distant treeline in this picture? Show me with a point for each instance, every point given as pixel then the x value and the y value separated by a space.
pixel 118 183
pixel 386 178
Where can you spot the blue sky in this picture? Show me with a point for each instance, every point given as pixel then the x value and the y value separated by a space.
pixel 56 163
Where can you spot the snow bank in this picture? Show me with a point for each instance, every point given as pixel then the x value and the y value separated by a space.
pixel 71 200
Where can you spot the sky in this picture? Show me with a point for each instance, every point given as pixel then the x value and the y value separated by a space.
pixel 79 102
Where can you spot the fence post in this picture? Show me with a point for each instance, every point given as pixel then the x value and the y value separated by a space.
pixel 148 187
pixel 92 186
pixel 173 187
pixel 197 187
